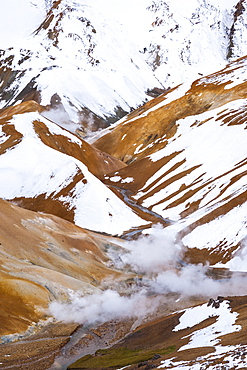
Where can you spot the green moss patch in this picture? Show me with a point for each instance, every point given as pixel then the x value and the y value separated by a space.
pixel 117 357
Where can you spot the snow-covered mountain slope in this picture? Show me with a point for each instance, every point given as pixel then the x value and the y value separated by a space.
pixel 75 53
pixel 99 59
pixel 188 161
pixel 194 38
pixel 45 168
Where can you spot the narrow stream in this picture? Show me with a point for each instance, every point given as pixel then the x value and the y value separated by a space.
pixel 87 340
pixel 128 200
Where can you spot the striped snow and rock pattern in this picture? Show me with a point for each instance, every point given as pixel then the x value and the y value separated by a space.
pixel 188 161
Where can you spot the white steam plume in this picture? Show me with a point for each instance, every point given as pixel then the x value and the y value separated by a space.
pixel 151 254
pixel 157 261
pixel 103 306
pixel 192 280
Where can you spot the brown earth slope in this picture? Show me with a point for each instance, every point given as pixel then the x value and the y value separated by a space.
pixel 42 257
